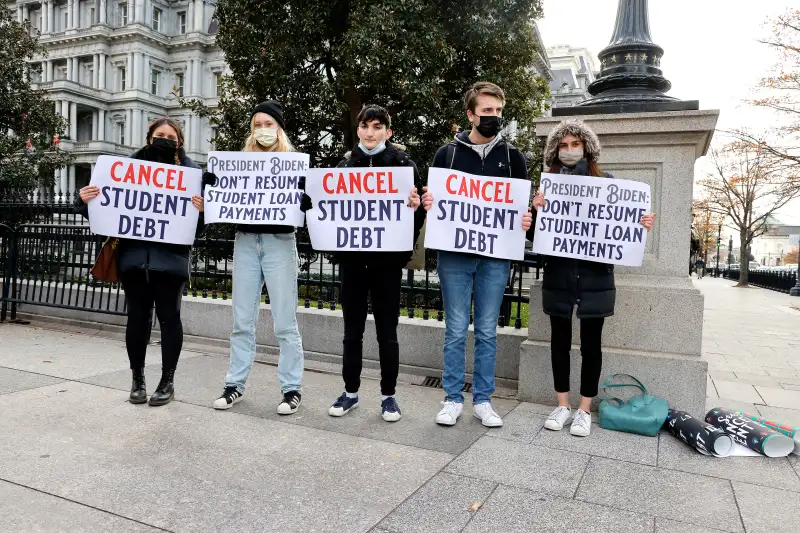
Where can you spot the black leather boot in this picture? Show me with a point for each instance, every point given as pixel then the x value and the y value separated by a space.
pixel 165 391
pixel 138 387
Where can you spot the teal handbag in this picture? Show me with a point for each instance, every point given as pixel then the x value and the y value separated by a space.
pixel 643 414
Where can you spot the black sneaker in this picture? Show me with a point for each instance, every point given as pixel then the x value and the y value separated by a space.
pixel 229 397
pixel 343 405
pixel 390 411
pixel 290 403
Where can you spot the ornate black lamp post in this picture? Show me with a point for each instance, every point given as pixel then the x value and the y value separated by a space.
pixel 631 80
pixel 730 251
pixel 795 291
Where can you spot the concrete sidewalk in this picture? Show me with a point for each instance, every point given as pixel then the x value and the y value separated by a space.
pixel 75 456
pixel 751 340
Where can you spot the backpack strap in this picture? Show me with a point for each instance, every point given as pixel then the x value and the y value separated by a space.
pixel 451 153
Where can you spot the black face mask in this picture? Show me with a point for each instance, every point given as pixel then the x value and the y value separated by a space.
pixel 164 149
pixel 489 126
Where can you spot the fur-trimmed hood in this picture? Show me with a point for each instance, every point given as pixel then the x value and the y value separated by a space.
pixel 575 127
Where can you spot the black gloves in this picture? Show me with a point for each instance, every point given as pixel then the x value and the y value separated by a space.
pixel 306 203
pixel 301 183
pixel 209 179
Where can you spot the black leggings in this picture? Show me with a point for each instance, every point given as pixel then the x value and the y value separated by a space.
pixel 380 285
pixel 591 353
pixel 166 291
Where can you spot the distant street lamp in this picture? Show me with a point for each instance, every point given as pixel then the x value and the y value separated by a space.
pixel 719 238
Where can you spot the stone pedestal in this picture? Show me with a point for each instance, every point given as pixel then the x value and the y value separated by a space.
pixel 656 332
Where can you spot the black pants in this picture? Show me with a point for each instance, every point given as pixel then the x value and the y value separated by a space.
pixel 381 285
pixel 141 292
pixel 591 353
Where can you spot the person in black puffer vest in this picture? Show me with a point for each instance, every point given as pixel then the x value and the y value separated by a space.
pixel 573 148
pixel 153 272
pixel 373 276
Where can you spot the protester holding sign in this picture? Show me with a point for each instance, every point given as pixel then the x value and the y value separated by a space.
pixel 369 274
pixel 153 272
pixel 265 252
pixel 482 151
pixel 573 149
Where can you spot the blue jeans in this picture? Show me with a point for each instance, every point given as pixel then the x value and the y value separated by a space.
pixel 258 258
pixel 458 275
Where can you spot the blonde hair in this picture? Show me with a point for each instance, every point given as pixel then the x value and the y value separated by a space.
pixel 282 144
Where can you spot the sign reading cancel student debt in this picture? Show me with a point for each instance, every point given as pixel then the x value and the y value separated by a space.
pixel 477 214
pixel 256 188
pixel 596 219
pixel 362 209
pixel 144 200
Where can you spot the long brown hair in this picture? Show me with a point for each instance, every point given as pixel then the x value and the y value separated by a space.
pixel 172 124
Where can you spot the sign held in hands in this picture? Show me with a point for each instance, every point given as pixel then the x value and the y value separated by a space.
pixel 477 214
pixel 256 188
pixel 145 201
pixel 595 219
pixel 361 209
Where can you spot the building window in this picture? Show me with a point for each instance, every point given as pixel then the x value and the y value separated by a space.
pixel 182 22
pixel 123 14
pixel 153 82
pixel 122 73
pixel 156 19
pixel 218 85
pixel 179 77
pixel 121 133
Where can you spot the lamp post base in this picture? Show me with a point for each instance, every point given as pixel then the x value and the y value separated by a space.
pixel 795 291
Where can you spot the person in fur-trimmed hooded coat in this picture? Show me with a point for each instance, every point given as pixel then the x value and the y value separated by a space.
pixel 573 148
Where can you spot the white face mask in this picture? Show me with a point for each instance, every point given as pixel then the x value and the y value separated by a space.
pixel 570 157
pixel 266 136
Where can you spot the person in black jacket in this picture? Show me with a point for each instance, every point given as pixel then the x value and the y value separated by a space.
pixel 153 272
pixel 481 151
pixel 573 148
pixel 373 276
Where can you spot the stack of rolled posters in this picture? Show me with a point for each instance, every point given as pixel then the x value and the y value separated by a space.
pixel 750 434
pixel 791 432
pixel 703 437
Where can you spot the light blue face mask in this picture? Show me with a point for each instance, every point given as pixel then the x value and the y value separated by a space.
pixel 378 149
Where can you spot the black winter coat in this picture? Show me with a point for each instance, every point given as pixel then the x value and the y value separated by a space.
pixel 135 254
pixel 391 156
pixel 587 284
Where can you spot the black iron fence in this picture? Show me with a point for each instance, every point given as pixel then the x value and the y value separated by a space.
pixel 47 263
pixel 780 281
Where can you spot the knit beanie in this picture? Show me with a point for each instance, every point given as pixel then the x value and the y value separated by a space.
pixel 272 108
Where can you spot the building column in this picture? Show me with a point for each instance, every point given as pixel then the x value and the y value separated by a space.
pixel 128 127
pixel 64 181
pixel 57 181
pixel 73 121
pixel 94 125
pixel 102 72
pixel 26 12
pixel 70 17
pixel 77 6
pixel 101 125
pixel 187 78
pixel 71 182
pixel 136 127
pixel 142 124
pixel 76 74
pixel 51 16
pixel 96 71
pixel 136 78
pixel 49 70
pixel 198 77
pixel 190 17
pixel 102 16
pixel 44 19
pixel 146 72
pixel 198 15
pixel 69 68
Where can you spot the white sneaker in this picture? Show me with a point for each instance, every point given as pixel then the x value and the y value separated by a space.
pixel 486 414
pixel 581 424
pixel 557 419
pixel 449 414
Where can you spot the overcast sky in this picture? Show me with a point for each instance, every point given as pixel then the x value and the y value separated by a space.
pixel 711 52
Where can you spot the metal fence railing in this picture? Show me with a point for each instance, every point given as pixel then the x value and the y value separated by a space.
pixel 48 265
pixel 780 281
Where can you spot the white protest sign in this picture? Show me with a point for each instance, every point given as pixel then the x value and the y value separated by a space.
pixel 477 214
pixel 364 208
pixel 256 188
pixel 145 201
pixel 596 219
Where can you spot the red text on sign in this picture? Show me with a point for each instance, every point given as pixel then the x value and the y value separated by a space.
pixel 487 190
pixel 155 176
pixel 358 182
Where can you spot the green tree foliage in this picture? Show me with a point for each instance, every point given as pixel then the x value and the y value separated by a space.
pixel 29 125
pixel 325 59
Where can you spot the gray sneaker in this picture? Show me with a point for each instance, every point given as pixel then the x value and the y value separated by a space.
pixel 581 424
pixel 558 418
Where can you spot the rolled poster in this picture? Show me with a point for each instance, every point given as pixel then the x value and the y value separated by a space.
pixel 703 437
pixel 750 434
pixel 791 432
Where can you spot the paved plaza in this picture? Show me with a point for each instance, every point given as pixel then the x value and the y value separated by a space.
pixel 75 456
